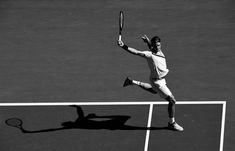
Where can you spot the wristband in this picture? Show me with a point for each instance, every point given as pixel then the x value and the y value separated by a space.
pixel 125 47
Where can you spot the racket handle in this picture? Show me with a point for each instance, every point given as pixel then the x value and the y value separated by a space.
pixel 120 37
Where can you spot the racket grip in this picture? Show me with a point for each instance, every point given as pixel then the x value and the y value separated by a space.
pixel 120 37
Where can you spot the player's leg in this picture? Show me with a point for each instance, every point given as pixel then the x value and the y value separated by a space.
pixel 143 85
pixel 171 108
pixel 165 93
pixel 171 111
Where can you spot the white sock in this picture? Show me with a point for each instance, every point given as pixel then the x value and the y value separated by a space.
pixel 172 120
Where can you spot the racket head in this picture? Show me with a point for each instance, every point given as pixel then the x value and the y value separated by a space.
pixel 121 21
pixel 14 122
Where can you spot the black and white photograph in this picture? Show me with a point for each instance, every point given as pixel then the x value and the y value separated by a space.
pixel 117 75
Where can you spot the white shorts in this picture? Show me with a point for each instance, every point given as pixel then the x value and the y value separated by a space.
pixel 160 87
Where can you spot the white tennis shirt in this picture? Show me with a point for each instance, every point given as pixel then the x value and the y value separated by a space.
pixel 157 64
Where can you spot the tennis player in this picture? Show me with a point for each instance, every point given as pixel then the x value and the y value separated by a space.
pixel 158 71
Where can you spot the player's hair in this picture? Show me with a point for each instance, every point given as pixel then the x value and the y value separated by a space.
pixel 154 39
pixel 153 43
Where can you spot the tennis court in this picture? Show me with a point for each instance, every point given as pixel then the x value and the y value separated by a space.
pixel 66 51
pixel 115 126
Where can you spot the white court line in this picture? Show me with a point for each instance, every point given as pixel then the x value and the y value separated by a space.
pixel 222 127
pixel 148 126
pixel 151 103
pixel 107 103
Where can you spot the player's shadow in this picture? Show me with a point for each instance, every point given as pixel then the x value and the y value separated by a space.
pixel 93 121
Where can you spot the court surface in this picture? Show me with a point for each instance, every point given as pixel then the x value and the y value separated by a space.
pixel 140 127
pixel 66 51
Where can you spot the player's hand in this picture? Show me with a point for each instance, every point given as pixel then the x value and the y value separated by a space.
pixel 145 38
pixel 120 43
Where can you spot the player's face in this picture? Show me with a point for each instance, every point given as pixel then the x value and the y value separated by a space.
pixel 157 45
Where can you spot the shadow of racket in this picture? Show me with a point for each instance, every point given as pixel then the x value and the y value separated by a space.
pixel 15 122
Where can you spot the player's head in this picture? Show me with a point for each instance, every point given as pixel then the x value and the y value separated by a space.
pixel 156 43
pixel 155 39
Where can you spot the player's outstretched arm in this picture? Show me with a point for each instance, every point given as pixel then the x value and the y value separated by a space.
pixel 146 40
pixel 129 49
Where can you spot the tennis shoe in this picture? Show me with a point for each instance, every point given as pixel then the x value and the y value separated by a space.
pixel 127 82
pixel 176 127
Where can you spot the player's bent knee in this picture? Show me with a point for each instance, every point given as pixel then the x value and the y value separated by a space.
pixel 171 99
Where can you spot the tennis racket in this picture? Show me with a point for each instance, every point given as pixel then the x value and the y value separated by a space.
pixel 121 23
pixel 15 122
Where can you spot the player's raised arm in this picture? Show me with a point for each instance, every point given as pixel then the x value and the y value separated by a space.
pixel 130 50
